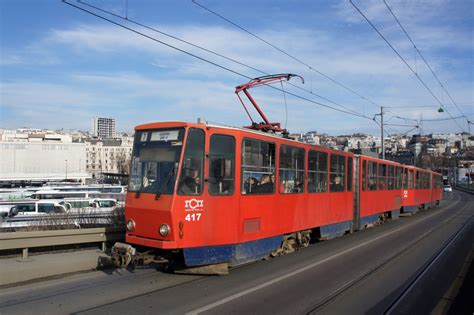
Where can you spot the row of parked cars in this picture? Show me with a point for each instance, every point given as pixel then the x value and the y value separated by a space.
pixel 34 207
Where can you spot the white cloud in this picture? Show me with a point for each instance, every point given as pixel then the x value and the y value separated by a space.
pixel 180 87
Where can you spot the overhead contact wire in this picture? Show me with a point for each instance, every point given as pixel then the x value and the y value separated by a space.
pixel 311 68
pixel 405 62
pixel 208 61
pixel 424 60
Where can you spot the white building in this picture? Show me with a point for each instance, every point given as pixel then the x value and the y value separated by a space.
pixel 42 160
pixel 103 128
pixel 108 156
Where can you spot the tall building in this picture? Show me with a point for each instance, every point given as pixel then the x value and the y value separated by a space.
pixel 103 128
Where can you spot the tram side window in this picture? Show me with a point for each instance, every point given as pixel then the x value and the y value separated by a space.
pixel 258 167
pixel 191 179
pixel 382 176
pixel 317 171
pixel 405 178
pixel 221 165
pixel 364 175
pixel 439 183
pixel 338 172
pixel 349 174
pixel 398 177
pixel 410 179
pixel 390 177
pixel 372 184
pixel 291 170
pixel 418 180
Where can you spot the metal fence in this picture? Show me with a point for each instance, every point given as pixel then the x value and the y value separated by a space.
pixel 85 218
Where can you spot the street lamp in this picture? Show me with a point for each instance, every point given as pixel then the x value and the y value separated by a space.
pixel 440 110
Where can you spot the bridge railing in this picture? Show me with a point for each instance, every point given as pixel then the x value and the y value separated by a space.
pixel 26 240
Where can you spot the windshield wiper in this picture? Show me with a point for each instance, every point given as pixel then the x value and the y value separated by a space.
pixel 165 183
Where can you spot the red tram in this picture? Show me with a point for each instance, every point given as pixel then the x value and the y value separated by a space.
pixel 212 194
pixel 218 196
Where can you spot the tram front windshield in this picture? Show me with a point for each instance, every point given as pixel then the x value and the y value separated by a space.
pixel 155 160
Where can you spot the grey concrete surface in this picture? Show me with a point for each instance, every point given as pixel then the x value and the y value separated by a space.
pixel 14 270
pixel 357 273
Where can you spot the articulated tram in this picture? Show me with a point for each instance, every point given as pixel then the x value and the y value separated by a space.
pixel 213 195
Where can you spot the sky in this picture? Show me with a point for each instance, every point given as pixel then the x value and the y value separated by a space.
pixel 60 66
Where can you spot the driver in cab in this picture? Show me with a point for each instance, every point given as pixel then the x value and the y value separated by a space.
pixel 190 185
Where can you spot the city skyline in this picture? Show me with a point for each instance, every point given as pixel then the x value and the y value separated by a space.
pixel 63 67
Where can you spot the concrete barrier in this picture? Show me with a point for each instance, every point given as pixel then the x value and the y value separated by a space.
pixel 24 267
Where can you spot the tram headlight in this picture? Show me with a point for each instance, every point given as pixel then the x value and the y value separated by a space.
pixel 130 225
pixel 164 230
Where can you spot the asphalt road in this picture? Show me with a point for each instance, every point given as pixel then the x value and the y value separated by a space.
pixel 364 272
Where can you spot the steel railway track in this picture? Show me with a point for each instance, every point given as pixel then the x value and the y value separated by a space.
pixel 322 303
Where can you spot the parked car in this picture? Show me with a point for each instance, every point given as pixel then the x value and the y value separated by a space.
pixel 104 203
pixel 447 188
pixel 31 207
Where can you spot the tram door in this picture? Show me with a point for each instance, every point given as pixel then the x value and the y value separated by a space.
pixel 221 189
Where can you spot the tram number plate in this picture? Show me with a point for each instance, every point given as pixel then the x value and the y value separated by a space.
pixel 191 217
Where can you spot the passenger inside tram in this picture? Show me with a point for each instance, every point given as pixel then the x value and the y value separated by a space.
pixel 372 184
pixel 250 185
pixel 336 184
pixel 191 183
pixel 266 185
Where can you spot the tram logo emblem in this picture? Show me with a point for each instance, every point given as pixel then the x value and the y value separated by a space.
pixel 193 205
pixel 405 194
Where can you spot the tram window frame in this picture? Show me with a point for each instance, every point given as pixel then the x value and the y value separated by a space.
pixel 221 177
pixel 267 164
pixel 372 169
pixel 399 178
pixel 418 180
pixel 350 172
pixel 364 175
pixel 289 169
pixel 411 179
pixel 382 174
pixel 439 182
pixel 189 166
pixel 337 167
pixel 405 178
pixel 317 171
pixel 390 177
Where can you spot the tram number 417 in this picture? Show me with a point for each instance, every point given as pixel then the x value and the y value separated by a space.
pixel 193 217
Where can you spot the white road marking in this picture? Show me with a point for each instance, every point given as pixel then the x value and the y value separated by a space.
pixel 294 273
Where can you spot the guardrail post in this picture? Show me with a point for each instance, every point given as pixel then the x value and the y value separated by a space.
pixel 25 254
